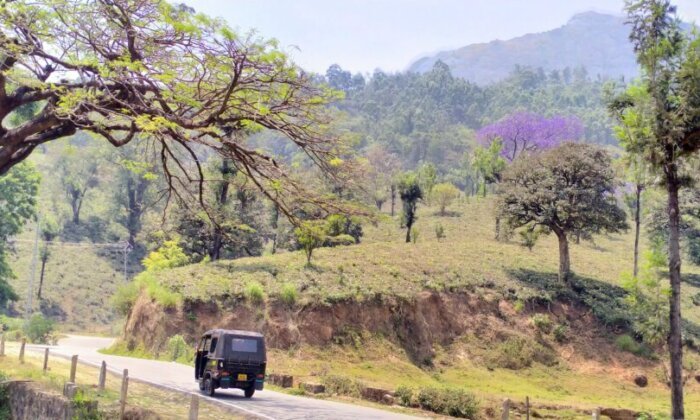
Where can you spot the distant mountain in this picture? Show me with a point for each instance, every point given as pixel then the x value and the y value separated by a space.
pixel 594 40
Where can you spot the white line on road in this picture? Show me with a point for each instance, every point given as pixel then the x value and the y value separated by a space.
pixel 157 385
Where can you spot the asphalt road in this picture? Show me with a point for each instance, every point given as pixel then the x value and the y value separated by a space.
pixel 265 404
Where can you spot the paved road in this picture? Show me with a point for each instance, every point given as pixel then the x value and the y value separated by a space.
pixel 265 404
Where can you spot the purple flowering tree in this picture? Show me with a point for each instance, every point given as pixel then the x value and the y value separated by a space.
pixel 526 132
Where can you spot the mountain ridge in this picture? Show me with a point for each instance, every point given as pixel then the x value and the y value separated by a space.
pixel 608 52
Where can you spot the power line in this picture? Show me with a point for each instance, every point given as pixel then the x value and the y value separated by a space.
pixel 119 245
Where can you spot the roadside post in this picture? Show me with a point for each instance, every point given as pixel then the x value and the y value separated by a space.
pixel 194 407
pixel 73 367
pixel 46 359
pixel 103 376
pixel 596 414
pixel 125 389
pixel 2 345
pixel 527 408
pixel 21 350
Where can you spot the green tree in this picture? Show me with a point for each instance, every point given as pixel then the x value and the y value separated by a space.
pixel 133 188
pixel 411 193
pixel 77 172
pixel 310 235
pixel 647 298
pixel 671 75
pixel 50 228
pixel 18 192
pixel 635 127
pixel 168 255
pixel 427 178
pixel 563 190
pixel 149 70
pixel 444 195
pixel 489 163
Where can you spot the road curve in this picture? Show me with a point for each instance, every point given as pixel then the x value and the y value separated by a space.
pixel 265 404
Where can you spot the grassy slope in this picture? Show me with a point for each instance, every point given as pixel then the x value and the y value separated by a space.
pixel 79 281
pixel 468 258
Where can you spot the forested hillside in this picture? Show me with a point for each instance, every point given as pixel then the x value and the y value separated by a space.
pixel 102 203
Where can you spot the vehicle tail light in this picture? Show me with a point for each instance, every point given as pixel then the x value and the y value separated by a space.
pixel 225 373
pixel 261 376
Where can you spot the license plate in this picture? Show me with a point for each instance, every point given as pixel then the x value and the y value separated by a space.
pixel 242 377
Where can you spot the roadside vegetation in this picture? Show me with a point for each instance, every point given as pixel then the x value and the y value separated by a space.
pixel 166 404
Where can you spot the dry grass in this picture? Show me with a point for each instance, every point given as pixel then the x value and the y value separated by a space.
pixel 169 405
pixel 469 257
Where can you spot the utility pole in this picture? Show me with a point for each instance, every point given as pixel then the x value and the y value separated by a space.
pixel 32 270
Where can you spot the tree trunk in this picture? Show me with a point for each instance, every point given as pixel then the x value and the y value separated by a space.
pixel 393 199
pixel 408 233
pixel 637 221
pixel 75 206
pixel 564 260
pixel 41 277
pixel 222 199
pixel 379 204
pixel 674 268
pixel 274 224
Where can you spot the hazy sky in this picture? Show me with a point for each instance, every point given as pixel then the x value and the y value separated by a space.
pixel 362 35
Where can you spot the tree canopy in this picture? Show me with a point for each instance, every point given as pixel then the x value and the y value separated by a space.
pixel 132 70
pixel 18 191
pixel 564 190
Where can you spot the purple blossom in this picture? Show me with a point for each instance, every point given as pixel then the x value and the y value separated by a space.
pixel 526 132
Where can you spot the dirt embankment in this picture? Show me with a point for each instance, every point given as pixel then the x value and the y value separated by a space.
pixel 430 318
pixel 417 325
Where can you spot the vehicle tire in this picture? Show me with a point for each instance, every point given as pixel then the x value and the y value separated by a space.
pixel 201 384
pixel 209 388
pixel 248 392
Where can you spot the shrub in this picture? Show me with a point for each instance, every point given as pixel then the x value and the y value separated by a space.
pixel 414 234
pixel 341 385
pixel 439 232
pixel 627 343
pixel 39 329
pixel 254 292
pixel 404 395
pixel 10 324
pixel 696 299
pixel 125 297
pixel 542 322
pixel 179 350
pixel 561 333
pixel 519 353
pixel 288 294
pixel 519 305
pixel 15 335
pixel 450 402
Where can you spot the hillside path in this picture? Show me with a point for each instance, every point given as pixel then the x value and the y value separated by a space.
pixel 265 404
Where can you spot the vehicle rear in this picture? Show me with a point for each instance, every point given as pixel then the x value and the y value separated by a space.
pixel 244 362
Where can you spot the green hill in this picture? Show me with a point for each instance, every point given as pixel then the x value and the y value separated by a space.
pixel 467 311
